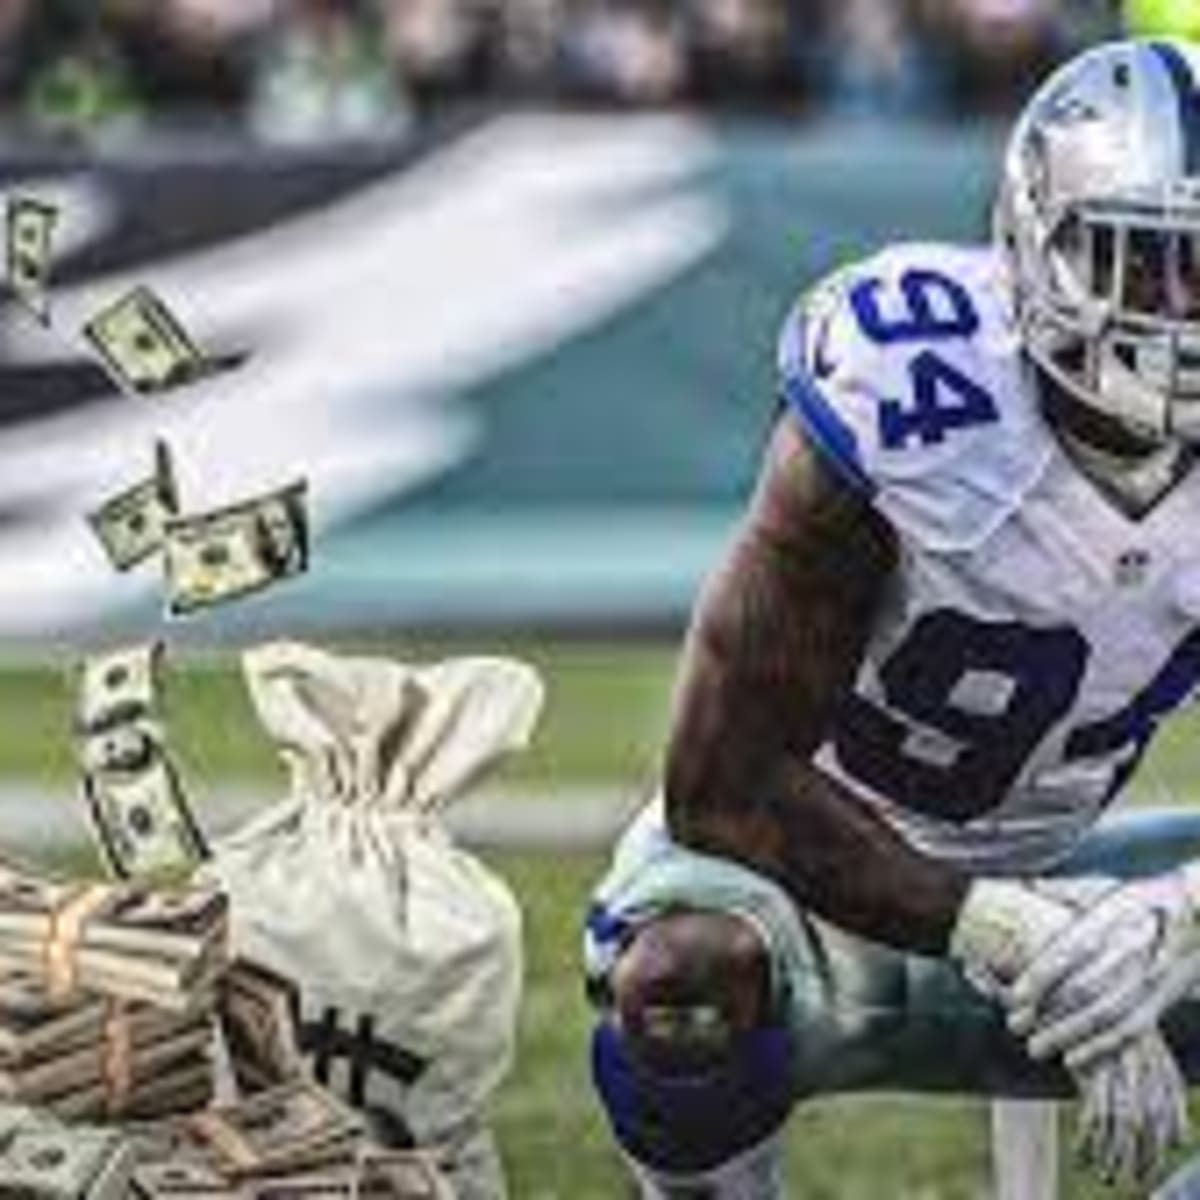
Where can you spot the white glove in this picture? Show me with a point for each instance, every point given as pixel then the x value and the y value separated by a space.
pixel 1133 1101
pixel 1108 976
pixel 1001 927
pixel 1133 1109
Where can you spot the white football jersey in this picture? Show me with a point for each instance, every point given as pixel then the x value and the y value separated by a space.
pixel 1034 634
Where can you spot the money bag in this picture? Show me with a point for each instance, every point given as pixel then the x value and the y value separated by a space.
pixel 406 948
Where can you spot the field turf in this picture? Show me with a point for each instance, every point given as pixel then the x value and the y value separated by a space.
pixel 603 725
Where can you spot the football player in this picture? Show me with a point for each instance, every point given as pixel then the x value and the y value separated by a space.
pixel 964 594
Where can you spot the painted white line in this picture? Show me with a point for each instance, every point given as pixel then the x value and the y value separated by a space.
pixel 33 818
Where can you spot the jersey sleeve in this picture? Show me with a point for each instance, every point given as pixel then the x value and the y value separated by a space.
pixel 905 373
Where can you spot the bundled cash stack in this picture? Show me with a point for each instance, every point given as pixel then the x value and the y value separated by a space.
pixel 123 941
pixel 107 995
pixel 94 1058
pixel 295 1140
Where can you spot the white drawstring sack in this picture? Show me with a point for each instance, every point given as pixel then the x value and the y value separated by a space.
pixel 406 949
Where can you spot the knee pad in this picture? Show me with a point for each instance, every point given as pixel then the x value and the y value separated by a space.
pixel 688 981
pixel 694 1121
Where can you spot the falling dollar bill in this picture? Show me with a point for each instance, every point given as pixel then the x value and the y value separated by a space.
pixel 131 524
pixel 230 552
pixel 135 797
pixel 29 232
pixel 144 345
pixel 143 821
pixel 119 685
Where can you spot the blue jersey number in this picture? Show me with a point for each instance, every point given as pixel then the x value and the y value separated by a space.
pixel 930 307
pixel 975 752
pixel 968 701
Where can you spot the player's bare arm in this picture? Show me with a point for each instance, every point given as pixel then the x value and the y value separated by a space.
pixel 775 641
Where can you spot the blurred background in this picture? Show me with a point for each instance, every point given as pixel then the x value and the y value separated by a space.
pixel 506 277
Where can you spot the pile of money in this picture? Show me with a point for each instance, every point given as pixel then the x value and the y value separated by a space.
pixel 91 1057
pixel 295 1140
pixel 42 1159
pixel 123 940
pixel 230 552
pixel 377 1175
pixel 135 796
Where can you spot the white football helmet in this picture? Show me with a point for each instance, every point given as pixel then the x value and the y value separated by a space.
pixel 1099 215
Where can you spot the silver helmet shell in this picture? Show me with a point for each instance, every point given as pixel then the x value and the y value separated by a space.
pixel 1099 215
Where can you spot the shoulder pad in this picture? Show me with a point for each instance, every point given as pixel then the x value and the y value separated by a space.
pixel 905 371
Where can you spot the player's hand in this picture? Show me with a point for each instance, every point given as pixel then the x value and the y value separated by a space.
pixel 1001 927
pixel 1133 1110
pixel 1108 976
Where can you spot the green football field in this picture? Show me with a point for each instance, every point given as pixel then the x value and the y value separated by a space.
pixel 603 725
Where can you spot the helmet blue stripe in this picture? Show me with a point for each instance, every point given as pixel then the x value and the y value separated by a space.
pixel 1188 97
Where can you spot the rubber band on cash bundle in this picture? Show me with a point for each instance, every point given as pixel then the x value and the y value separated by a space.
pixel 116 1064
pixel 60 955
pixel 224 1137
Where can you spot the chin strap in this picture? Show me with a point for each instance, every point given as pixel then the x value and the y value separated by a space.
pixel 1137 481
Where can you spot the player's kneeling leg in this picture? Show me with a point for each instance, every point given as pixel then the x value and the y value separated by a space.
pixel 695 1077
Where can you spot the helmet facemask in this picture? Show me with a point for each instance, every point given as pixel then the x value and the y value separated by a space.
pixel 1115 316
pixel 1099 214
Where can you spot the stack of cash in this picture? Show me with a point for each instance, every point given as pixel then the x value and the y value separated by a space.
pixel 41 1159
pixel 127 941
pixel 295 1140
pixel 135 797
pixel 378 1175
pixel 96 1058
pixel 259 1014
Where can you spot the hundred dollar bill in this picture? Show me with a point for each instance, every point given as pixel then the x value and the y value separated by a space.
pixel 131 524
pixel 118 686
pixel 29 233
pixel 143 821
pixel 66 1164
pixel 230 552
pixel 144 345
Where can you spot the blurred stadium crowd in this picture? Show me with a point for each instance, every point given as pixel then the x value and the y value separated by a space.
pixel 313 69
